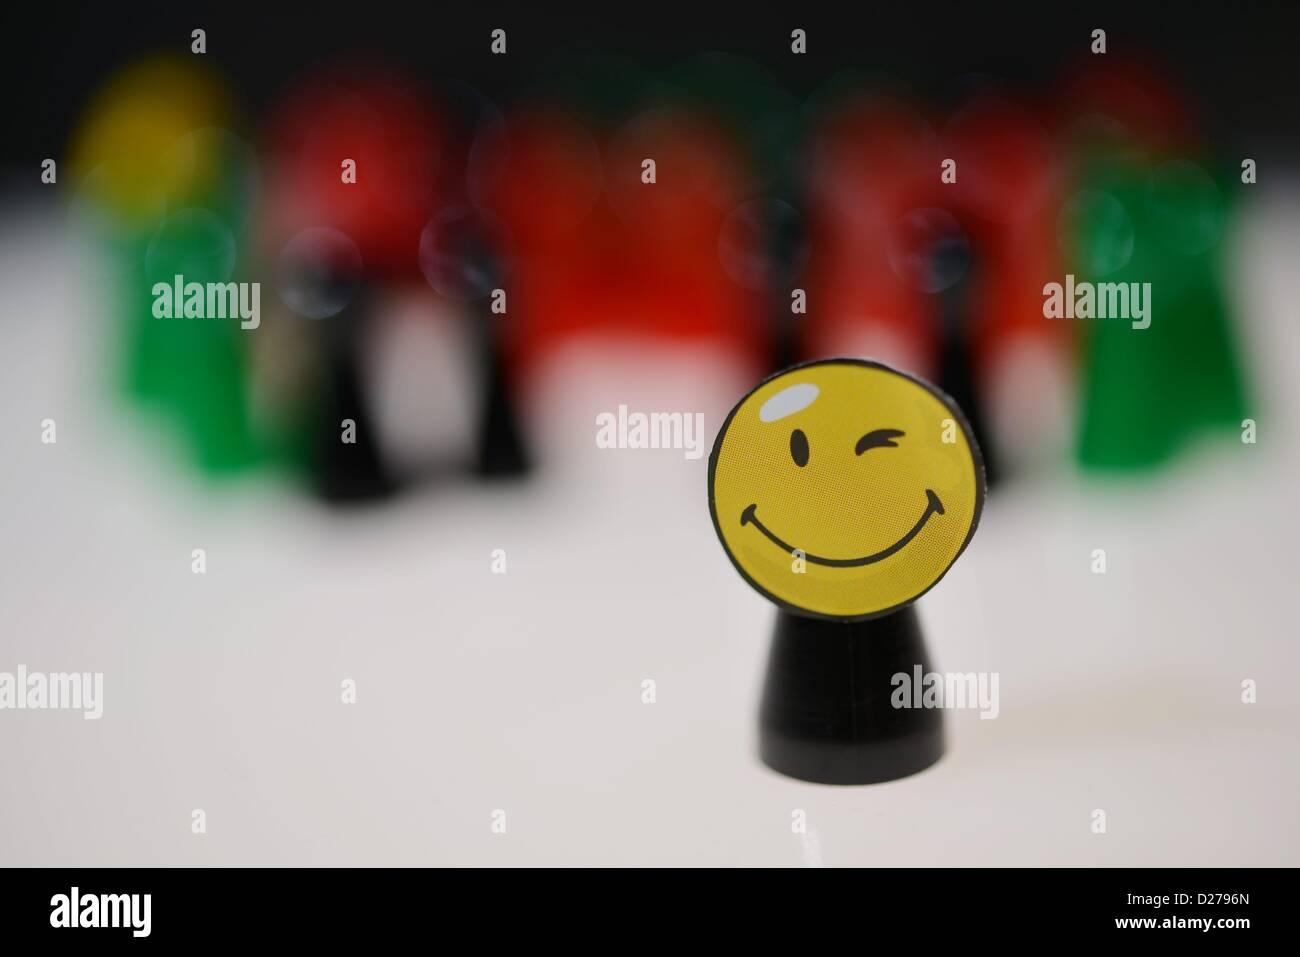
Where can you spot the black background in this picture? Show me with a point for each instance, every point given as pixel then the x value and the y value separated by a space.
pixel 1237 62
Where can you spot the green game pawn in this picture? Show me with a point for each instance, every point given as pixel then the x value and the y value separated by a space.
pixel 195 367
pixel 167 191
pixel 1163 367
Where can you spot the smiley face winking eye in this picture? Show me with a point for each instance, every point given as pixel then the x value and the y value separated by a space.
pixel 879 439
pixel 874 512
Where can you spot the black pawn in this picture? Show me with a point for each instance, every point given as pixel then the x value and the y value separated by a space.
pixel 346 473
pixel 957 374
pixel 788 253
pixel 827 715
pixel 501 451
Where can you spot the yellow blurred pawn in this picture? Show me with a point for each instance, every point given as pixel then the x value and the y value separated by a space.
pixel 125 151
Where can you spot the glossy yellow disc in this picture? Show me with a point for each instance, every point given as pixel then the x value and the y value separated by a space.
pixel 845 489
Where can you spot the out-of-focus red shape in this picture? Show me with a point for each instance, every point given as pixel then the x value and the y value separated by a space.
pixel 1112 101
pixel 872 161
pixel 401 151
pixel 548 177
pixel 598 252
pixel 877 161
pixel 1007 196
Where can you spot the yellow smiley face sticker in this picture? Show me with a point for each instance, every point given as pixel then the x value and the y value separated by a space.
pixel 845 489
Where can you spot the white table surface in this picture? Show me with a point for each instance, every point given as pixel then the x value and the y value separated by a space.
pixel 522 691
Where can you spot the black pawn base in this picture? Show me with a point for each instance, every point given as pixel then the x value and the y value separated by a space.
pixel 826 714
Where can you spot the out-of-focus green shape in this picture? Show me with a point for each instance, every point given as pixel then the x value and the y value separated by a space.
pixel 1146 392
pixel 171 191
pixel 194 369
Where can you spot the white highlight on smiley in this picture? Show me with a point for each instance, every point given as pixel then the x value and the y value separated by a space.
pixel 788 401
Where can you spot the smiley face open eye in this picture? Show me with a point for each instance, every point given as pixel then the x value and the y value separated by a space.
pixel 799 447
pixel 878 439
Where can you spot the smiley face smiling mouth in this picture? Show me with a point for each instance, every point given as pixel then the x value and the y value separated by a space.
pixel 932 507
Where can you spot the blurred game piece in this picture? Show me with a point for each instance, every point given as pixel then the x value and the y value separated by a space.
pixel 1000 354
pixel 602 254
pixel 931 252
pixel 462 253
pixel 1168 369
pixel 544 182
pixel 763 248
pixel 873 161
pixel 170 189
pixel 951 264
pixel 467 255
pixel 843 490
pixel 1145 219
pixel 356 168
pixel 667 252
pixel 764 242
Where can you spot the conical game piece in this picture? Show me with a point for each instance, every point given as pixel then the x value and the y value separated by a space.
pixel 826 714
pixel 843 490
pixel 1163 367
